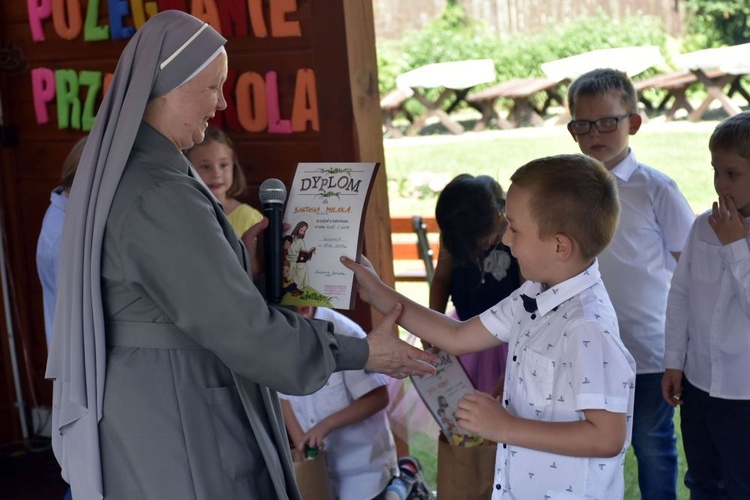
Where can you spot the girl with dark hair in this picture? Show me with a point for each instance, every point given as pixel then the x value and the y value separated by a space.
pixel 474 268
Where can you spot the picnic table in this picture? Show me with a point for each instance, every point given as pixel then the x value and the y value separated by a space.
pixel 675 84
pixel 520 92
pixel 718 69
pixel 455 79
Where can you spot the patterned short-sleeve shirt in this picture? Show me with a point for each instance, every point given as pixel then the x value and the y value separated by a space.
pixel 563 358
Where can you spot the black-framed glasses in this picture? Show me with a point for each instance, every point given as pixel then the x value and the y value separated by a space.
pixel 603 125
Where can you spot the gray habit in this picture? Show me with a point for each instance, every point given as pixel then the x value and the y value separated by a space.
pixel 165 357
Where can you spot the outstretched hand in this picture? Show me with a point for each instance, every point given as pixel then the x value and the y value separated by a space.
pixel 393 356
pixel 726 221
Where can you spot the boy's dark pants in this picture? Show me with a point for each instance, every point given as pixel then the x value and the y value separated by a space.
pixel 716 438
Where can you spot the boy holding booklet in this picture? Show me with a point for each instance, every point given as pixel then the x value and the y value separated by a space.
pixel 564 422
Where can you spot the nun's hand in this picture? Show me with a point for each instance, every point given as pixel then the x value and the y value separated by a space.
pixel 393 356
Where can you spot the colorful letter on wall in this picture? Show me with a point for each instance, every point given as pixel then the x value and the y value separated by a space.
pixel 275 124
pixel 92 80
pixel 117 10
pixel 68 21
pixel 38 10
pixel 43 91
pixel 68 102
pixel 92 32
pixel 305 107
pixel 251 102
pixel 280 27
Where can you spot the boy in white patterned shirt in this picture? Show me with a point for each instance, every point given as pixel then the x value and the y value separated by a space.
pixel 563 424
pixel 707 357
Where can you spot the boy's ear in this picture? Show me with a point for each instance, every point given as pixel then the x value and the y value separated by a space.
pixel 564 247
pixel 635 123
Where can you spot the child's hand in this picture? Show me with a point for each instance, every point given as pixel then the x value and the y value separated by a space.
pixel 671 387
pixel 367 279
pixel 481 414
pixel 728 224
pixel 393 356
pixel 313 438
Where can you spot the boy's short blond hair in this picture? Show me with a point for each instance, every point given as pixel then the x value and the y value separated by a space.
pixel 601 82
pixel 573 195
pixel 732 135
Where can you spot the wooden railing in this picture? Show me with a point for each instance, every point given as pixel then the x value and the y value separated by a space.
pixel 420 241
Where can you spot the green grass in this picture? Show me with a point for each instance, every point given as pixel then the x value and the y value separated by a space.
pixel 678 149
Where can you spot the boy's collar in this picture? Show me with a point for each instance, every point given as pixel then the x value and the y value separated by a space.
pixel 551 297
pixel 626 167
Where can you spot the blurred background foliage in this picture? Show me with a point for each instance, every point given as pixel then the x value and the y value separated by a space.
pixel 455 36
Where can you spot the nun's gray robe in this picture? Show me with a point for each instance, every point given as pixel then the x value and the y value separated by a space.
pixel 193 353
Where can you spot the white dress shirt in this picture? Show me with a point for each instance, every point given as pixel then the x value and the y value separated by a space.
pixel 708 315
pixel 48 254
pixel 361 457
pixel 564 359
pixel 636 267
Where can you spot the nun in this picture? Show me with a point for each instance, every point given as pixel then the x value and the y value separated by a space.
pixel 165 357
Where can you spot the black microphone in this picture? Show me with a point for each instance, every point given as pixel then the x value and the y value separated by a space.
pixel 272 197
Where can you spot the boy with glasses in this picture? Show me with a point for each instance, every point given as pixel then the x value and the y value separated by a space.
pixel 637 266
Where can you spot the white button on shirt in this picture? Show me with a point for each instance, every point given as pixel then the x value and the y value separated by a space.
pixel 708 314
pixel 565 358
pixel 636 267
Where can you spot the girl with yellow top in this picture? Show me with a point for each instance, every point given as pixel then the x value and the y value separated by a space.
pixel 216 162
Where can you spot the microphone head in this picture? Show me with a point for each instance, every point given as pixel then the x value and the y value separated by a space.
pixel 272 191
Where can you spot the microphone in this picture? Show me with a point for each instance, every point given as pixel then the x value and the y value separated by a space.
pixel 272 196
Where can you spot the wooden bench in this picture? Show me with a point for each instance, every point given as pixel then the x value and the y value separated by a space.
pixel 393 104
pixel 676 85
pixel 519 91
pixel 417 247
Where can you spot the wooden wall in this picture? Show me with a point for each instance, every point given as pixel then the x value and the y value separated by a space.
pixel 336 42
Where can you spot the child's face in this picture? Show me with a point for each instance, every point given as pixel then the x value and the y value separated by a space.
pixel 495 235
pixel 610 148
pixel 732 178
pixel 522 236
pixel 214 163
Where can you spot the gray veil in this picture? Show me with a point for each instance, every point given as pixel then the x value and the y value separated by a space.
pixel 166 52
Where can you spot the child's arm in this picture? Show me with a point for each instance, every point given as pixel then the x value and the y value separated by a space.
pixel 601 434
pixel 292 425
pixel 454 337
pixel 676 325
pixel 439 289
pixel 360 409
